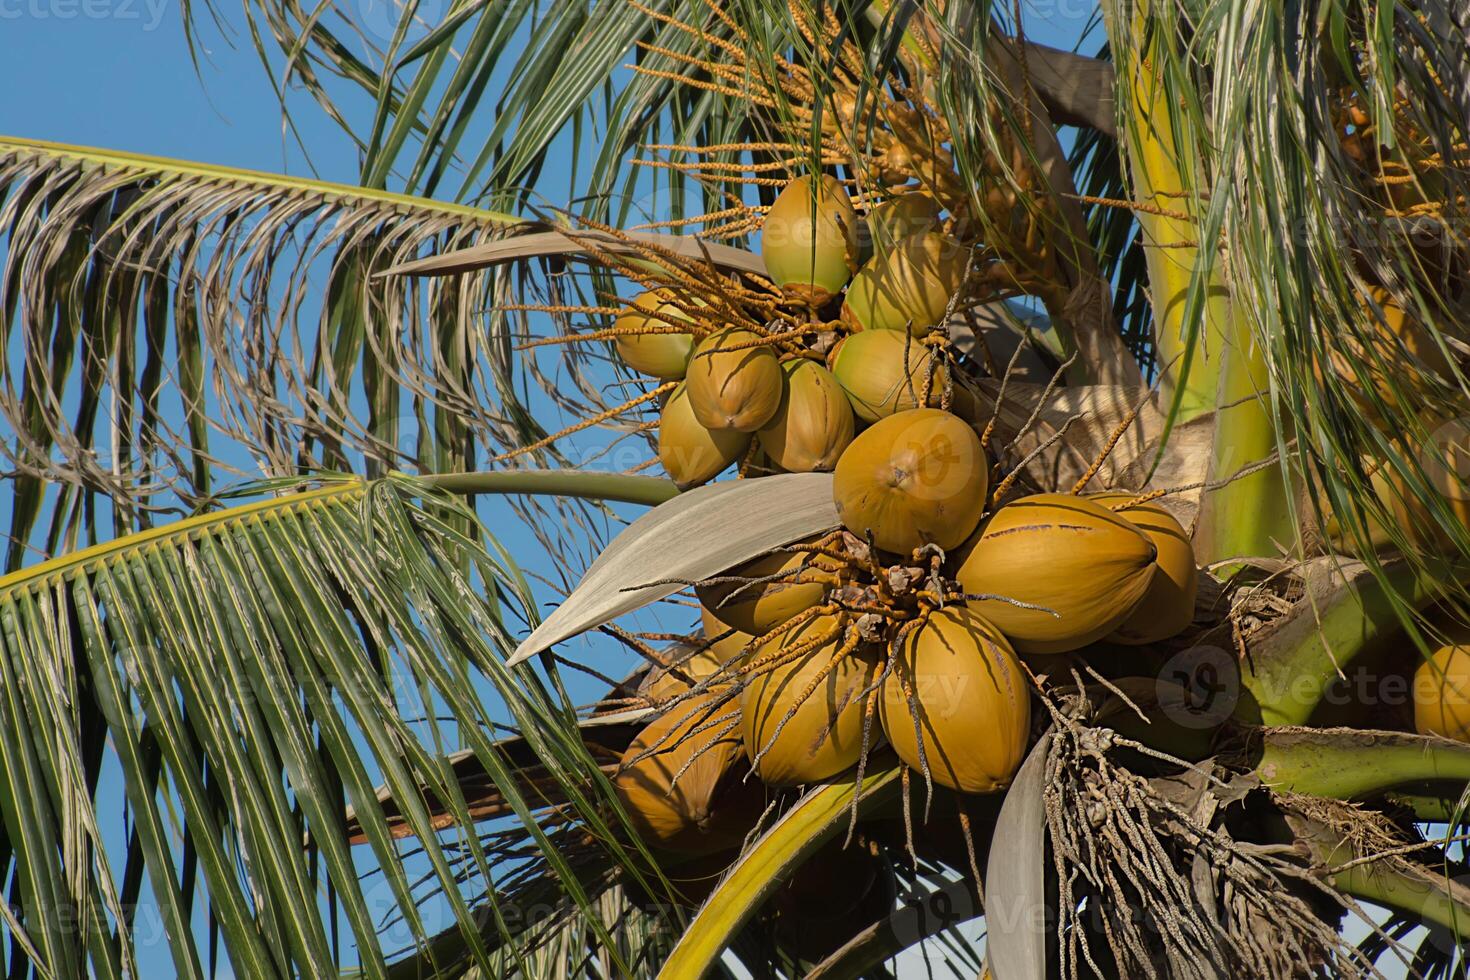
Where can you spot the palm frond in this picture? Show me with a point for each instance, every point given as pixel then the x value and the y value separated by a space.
pixel 246 675
pixel 173 325
pixel 1334 178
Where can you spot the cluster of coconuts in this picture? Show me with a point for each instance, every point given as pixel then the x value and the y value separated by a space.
pixel 803 409
pixel 804 669
pixel 1042 574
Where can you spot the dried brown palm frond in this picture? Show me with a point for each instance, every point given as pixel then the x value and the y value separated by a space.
pixel 1164 867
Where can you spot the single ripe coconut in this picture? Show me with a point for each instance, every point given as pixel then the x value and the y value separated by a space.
pixel 809 240
pixel 771 589
pixel 1340 533
pixel 900 217
pixel 1442 692
pixel 689 814
pixel 971 699
pixel 1168 607
pixel 814 423
pixel 1387 353
pixel 1083 568
pixel 884 371
pixel 728 644
pixel 734 386
pixel 824 735
pixel 690 453
pixel 657 353
pixel 915 478
pixel 908 287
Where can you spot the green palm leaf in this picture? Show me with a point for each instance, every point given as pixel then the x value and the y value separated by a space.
pixel 169 325
pixel 248 675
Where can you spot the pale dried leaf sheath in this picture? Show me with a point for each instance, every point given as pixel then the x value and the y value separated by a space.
pixel 1015 878
pixel 695 536
pixel 542 243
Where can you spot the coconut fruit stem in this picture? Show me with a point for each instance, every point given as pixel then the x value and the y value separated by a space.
pixel 588 423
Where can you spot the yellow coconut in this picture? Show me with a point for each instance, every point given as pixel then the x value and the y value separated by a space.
pixel 733 385
pixel 915 478
pixel 756 606
pixel 1086 568
pixel 970 698
pixel 1442 692
pixel 870 366
pixel 1396 348
pixel 907 288
pixel 690 453
pixel 1338 532
pixel 809 240
pixel 686 815
pixel 662 355
pixel 814 423
pixel 824 734
pixel 900 217
pixel 1445 462
pixel 730 643
pixel 1168 607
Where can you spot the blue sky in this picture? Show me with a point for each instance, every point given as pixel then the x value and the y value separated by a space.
pixel 118 74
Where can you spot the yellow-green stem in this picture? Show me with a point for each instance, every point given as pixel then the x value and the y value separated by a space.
pixel 1290 669
pixel 1206 349
pixel 819 816
pixel 1344 764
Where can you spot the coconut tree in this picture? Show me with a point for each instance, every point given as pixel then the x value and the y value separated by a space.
pixel 1064 454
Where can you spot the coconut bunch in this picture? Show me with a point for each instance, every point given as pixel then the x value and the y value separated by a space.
pixel 835 342
pixel 908 625
pixel 885 132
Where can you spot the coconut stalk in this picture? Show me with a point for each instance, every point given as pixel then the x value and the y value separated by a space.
pixel 1386 880
pixel 1207 351
pixel 1290 669
pixel 762 869
pixel 1353 764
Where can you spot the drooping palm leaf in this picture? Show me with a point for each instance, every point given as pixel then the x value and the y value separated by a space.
pixel 169 325
pixel 1312 211
pixel 245 676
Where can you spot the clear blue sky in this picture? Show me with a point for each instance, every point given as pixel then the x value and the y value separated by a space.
pixel 117 74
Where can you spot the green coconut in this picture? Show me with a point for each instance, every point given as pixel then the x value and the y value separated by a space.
pixel 870 366
pixel 908 287
pixel 809 240
pixel 899 217
pixel 661 355
pixel 814 423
